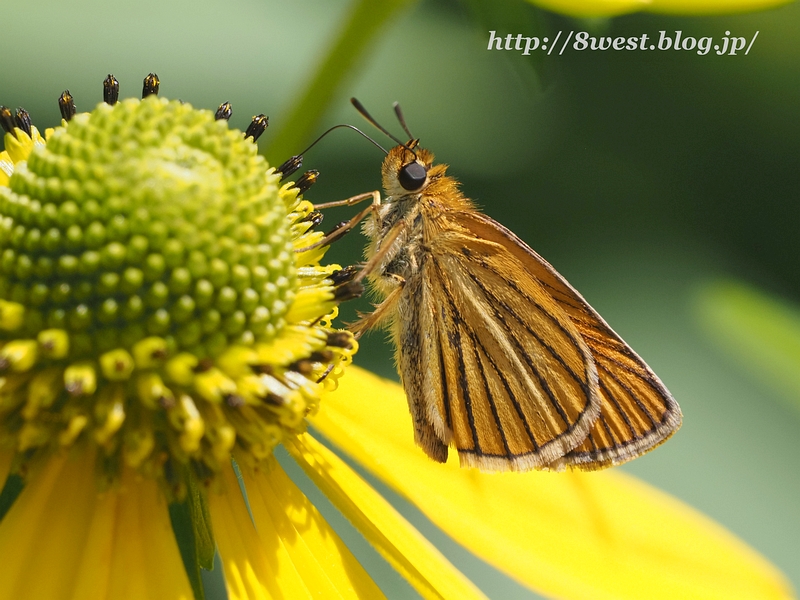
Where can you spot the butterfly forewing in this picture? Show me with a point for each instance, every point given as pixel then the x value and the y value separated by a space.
pixel 637 412
pixel 499 371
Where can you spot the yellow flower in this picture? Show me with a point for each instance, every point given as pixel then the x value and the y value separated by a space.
pixel 610 8
pixel 156 320
pixel 567 535
pixel 162 312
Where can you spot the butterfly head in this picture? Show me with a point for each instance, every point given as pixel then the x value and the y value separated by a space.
pixel 408 169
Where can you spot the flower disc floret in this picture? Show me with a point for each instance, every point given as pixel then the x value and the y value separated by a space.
pixel 153 302
pixel 115 206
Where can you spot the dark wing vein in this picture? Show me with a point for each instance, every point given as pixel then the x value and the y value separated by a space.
pixel 635 404
pixel 494 302
pixel 509 399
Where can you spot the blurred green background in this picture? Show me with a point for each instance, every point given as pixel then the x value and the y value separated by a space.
pixel 663 185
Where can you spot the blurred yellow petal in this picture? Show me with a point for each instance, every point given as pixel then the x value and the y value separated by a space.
pixel 610 8
pixel 291 552
pixel 711 7
pixel 64 540
pixel 400 544
pixel 592 8
pixel 571 535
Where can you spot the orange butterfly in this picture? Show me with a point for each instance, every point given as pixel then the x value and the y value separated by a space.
pixel 499 356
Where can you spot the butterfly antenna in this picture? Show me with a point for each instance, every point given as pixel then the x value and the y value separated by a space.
pixel 295 162
pixel 399 112
pixel 356 129
pixel 360 108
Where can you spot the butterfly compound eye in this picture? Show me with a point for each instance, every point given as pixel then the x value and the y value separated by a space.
pixel 412 176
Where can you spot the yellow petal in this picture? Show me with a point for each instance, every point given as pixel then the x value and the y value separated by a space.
pixel 571 535
pixel 6 168
pixel 610 8
pixel 19 144
pixel 592 8
pixel 291 552
pixel 63 540
pixel 328 567
pixel 711 7
pixel 400 544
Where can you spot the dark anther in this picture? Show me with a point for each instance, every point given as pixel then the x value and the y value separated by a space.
pixel 304 367
pixel 348 291
pixel 274 399
pixel 290 166
pixel 110 90
pixel 224 112
pixel 75 388
pixel 321 356
pixel 234 400
pixel 343 275
pixel 7 119
pixel 264 369
pixel 66 104
pixel 314 217
pixel 203 365
pixel 159 354
pixel 340 339
pixel 23 120
pixel 308 179
pixel 257 126
pixel 166 402
pixel 150 86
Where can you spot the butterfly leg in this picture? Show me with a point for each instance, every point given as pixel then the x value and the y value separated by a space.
pixel 382 310
pixel 385 253
pixel 376 199
pixel 346 226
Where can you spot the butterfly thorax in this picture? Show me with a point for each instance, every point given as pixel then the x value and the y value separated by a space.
pixel 423 214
